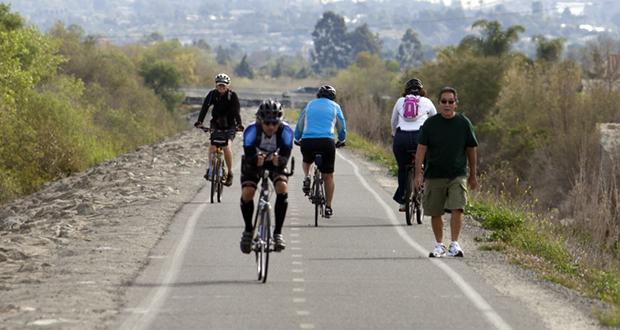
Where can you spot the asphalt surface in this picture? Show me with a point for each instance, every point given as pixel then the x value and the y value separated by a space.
pixel 362 269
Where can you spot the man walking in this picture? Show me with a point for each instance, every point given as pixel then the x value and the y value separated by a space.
pixel 448 142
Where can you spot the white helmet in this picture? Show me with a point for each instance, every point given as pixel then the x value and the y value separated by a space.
pixel 222 78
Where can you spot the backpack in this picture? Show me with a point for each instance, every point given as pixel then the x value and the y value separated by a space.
pixel 411 107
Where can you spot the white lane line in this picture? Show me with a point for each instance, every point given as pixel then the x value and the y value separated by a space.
pixel 297 255
pixel 155 300
pixel 481 304
pixel 295 229
pixel 295 248
pixel 294 235
pixel 295 241
pixel 299 290
pixel 303 313
pixel 298 280
pixel 297 271
pixel 306 326
pixel 299 300
pixel 297 263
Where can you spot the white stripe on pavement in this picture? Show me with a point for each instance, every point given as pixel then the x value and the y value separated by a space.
pixel 478 301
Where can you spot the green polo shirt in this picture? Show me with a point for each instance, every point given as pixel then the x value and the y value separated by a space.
pixel 447 141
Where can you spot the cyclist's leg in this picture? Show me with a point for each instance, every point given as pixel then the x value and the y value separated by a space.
pixel 228 156
pixel 280 182
pixel 249 179
pixel 307 155
pixel 327 168
pixel 249 182
pixel 329 188
pixel 403 158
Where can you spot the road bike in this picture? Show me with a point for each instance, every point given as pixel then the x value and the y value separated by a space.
pixel 413 197
pixel 262 240
pixel 317 194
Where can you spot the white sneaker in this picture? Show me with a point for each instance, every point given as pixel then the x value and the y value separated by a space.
pixel 455 250
pixel 438 251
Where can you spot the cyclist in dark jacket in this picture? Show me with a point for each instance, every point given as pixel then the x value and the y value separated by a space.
pixel 267 143
pixel 225 119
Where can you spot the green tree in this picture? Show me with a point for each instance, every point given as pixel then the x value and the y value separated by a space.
pixel 331 49
pixel 223 55
pixel 493 41
pixel 9 21
pixel 243 69
pixel 363 40
pixel 410 50
pixel 164 79
pixel 548 50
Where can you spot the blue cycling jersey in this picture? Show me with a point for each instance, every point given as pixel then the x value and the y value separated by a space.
pixel 318 120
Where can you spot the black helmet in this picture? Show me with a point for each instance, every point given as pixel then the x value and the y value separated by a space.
pixel 269 111
pixel 222 78
pixel 413 85
pixel 327 92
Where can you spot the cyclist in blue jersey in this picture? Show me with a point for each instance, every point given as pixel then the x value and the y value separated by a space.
pixel 315 132
pixel 267 143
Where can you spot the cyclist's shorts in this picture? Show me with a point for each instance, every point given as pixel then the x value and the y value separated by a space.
pixel 250 175
pixel 326 147
pixel 444 195
pixel 219 138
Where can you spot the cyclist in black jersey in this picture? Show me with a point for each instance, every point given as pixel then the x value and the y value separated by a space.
pixel 225 118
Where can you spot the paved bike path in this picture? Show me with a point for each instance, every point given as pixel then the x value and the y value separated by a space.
pixel 363 269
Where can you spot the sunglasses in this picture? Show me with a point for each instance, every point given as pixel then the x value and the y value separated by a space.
pixel 444 101
pixel 271 123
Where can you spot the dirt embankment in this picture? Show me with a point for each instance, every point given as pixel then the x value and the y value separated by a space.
pixel 66 251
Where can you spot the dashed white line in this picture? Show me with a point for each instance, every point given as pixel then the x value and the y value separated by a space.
pixel 297 270
pixel 299 300
pixel 297 263
pixel 299 290
pixel 303 313
pixel 295 241
pixel 298 280
pixel 306 326
pixel 297 255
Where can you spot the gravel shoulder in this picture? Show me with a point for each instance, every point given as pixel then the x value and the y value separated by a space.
pixel 68 251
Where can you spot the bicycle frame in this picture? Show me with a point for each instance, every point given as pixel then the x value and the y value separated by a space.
pixel 217 173
pixel 261 236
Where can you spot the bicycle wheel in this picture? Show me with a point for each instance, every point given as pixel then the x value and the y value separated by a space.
pixel 220 184
pixel 409 195
pixel 214 170
pixel 266 245
pixel 316 198
pixel 418 205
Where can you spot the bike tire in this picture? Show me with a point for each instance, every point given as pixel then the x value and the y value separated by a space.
pixel 315 199
pixel 220 190
pixel 266 247
pixel 214 169
pixel 418 207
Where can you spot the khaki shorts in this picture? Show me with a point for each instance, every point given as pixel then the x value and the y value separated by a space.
pixel 441 195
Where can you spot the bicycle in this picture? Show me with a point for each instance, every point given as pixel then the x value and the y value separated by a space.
pixel 262 242
pixel 216 175
pixel 413 197
pixel 317 188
